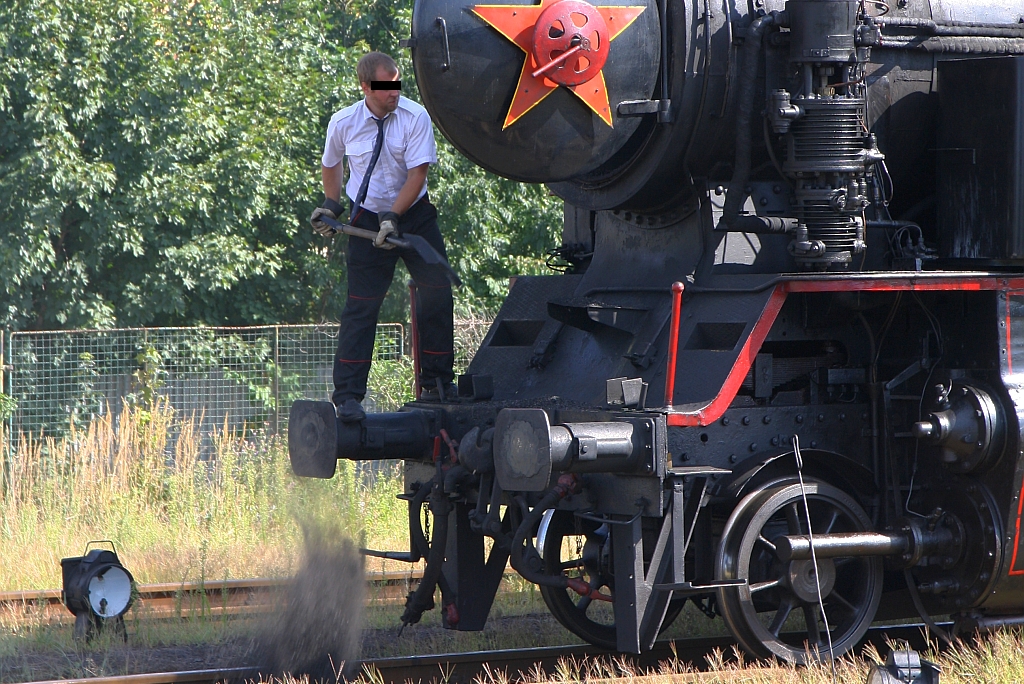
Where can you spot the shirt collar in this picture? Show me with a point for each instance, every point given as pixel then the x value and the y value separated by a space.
pixel 367 114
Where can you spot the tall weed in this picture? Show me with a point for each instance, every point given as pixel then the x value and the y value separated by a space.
pixel 179 504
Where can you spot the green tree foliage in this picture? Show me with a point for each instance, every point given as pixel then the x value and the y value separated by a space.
pixel 159 160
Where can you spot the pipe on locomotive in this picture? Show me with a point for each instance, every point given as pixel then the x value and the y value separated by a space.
pixel 914 541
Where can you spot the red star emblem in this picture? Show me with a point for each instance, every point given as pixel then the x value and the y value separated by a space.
pixel 566 44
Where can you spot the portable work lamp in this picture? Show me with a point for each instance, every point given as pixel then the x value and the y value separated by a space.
pixel 97 590
pixel 904 667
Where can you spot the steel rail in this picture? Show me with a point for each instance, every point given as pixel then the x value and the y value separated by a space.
pixel 457 668
pixel 215 598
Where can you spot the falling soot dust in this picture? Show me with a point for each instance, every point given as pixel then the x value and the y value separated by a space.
pixel 318 630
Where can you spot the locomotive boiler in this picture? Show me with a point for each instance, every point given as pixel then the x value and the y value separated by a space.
pixel 779 373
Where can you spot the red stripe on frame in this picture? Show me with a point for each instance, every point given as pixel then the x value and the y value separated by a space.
pixel 964 283
pixel 1016 536
pixel 356 360
pixel 720 403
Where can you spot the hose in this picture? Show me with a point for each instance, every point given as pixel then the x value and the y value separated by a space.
pixel 761 225
pixel 422 599
pixel 957 45
pixel 490 525
pixel 737 193
pixel 419 540
pixel 953 28
pixel 568 483
pixel 919 605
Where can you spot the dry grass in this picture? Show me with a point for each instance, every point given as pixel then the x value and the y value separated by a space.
pixel 997 658
pixel 177 509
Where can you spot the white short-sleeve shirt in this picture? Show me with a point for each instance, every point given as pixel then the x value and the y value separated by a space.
pixel 408 143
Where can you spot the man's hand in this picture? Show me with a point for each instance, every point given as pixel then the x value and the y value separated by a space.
pixel 330 209
pixel 388 226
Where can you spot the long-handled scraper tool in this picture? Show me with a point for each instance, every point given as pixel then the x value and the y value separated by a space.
pixel 416 243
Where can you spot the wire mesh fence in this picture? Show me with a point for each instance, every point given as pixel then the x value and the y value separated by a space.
pixel 218 377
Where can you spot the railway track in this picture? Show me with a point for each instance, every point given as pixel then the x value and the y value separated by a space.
pixel 186 599
pixel 462 668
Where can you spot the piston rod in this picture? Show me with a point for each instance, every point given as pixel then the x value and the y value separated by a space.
pixel 913 541
pixel 798 547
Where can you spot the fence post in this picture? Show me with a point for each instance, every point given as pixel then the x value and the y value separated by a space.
pixel 10 420
pixel 276 380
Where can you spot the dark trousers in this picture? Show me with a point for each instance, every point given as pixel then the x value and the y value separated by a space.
pixel 370 271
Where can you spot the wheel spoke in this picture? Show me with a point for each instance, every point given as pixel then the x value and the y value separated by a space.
pixel 846 604
pixel 781 615
pixel 832 521
pixel 842 562
pixel 793 519
pixel 761 586
pixel 569 565
pixel 761 538
pixel 811 616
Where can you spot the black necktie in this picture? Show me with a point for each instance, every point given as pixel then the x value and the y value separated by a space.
pixel 378 144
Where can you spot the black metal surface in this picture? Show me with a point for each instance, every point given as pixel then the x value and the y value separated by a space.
pixel 980 183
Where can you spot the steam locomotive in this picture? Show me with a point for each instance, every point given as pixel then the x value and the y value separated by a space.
pixel 780 372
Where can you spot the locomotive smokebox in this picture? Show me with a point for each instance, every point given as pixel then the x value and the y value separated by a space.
pixel 481 71
pixel 598 99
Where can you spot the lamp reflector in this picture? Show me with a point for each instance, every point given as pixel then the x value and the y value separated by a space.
pixel 110 592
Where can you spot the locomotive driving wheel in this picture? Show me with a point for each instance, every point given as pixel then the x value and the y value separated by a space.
pixel 581 548
pixel 777 613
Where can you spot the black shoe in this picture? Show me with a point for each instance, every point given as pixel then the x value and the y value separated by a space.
pixel 433 393
pixel 350 411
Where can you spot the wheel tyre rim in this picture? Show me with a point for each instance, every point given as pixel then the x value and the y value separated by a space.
pixel 563 602
pixel 739 539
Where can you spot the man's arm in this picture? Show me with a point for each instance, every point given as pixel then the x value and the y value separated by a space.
pixel 411 189
pixel 334 180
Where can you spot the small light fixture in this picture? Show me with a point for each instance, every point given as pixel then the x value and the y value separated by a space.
pixel 97 590
pixel 904 667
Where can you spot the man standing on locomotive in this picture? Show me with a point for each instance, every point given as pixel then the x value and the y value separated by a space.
pixel 389 142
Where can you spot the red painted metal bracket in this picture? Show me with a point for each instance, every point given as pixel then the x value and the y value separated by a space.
pixel 911 282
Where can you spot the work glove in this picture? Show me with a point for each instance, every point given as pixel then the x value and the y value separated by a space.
pixel 388 226
pixel 330 209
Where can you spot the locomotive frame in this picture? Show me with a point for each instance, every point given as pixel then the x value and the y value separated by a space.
pixel 752 388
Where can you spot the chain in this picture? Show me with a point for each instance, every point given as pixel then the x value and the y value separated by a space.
pixel 578 529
